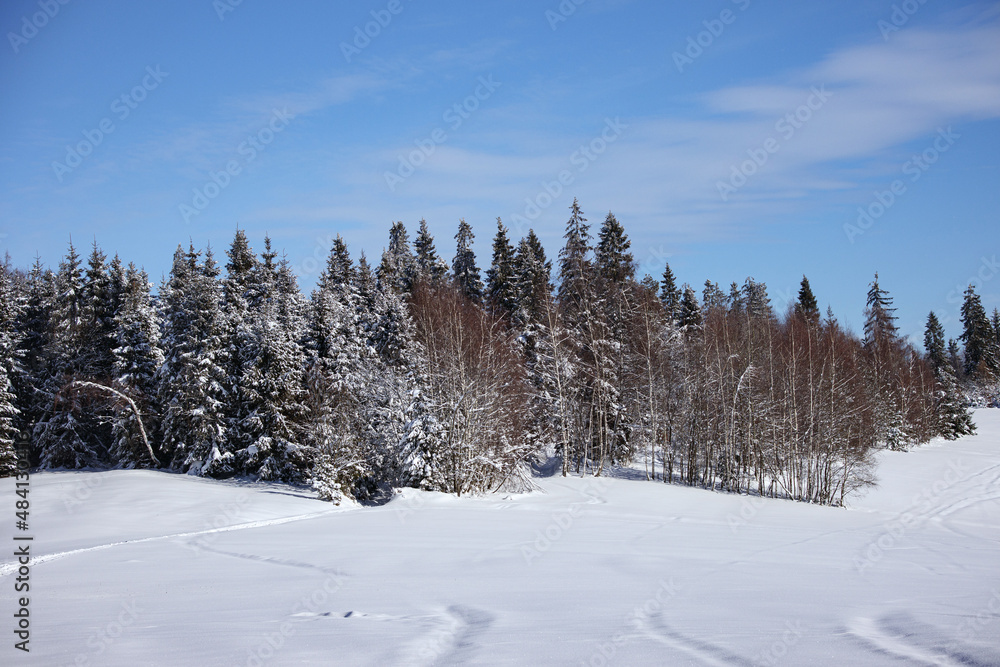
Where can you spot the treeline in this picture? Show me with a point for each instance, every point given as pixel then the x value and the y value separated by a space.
pixel 415 373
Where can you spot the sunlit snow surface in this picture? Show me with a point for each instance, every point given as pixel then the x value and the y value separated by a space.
pixel 137 567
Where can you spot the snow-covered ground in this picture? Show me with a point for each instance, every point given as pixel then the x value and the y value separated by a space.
pixel 137 567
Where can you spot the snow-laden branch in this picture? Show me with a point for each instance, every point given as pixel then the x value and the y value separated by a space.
pixel 83 384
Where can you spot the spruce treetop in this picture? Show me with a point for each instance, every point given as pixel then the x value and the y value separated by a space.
pixel 806 306
pixel 464 267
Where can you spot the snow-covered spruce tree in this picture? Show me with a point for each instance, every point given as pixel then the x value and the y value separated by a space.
pixel 136 358
pixel 532 280
pixel 953 418
pixel 405 431
pixel 613 362
pixel 737 304
pixel 67 433
pixel 995 321
pixel 881 343
pixel 40 297
pixel 430 267
pixel 274 392
pixel 335 378
pixel 242 296
pixel 360 385
pixel 955 357
pixel 713 298
pixel 101 299
pixel 293 307
pixel 576 300
pixel 8 427
pixel 501 287
pixel 934 344
pixel 464 268
pixel 266 384
pixel 191 381
pixel 11 307
pixel 689 312
pixel 366 284
pixel 982 356
pixel 575 269
pixel 670 295
pixel 398 268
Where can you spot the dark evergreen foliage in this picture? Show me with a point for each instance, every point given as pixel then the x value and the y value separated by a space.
pixel 982 356
pixel 670 295
pixel 430 267
pixel 464 268
pixel 501 283
pixel 806 306
pixel 402 377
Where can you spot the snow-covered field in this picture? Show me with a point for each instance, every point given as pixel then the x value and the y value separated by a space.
pixel 137 567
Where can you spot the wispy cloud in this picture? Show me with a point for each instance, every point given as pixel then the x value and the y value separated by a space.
pixel 667 168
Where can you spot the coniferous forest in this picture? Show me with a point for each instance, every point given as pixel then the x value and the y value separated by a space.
pixel 459 379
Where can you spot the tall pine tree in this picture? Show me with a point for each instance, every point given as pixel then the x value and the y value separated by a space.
pixel 670 295
pixel 399 267
pixel 501 287
pixel 982 357
pixel 136 359
pixel 11 308
pixel 192 378
pixel 953 419
pixel 464 268
pixel 430 267
pixel 806 306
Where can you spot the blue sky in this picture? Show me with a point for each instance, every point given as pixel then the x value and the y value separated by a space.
pixel 732 138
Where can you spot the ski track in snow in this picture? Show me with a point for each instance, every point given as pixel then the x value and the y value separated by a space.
pixel 270 560
pixel 702 651
pixel 10 567
pixel 452 639
pixel 453 642
pixel 901 636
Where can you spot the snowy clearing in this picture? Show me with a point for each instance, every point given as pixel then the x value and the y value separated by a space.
pixel 139 567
